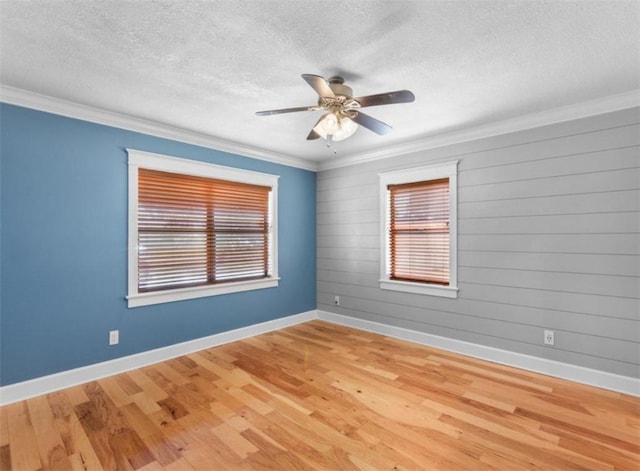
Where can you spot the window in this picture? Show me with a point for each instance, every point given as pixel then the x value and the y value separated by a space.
pixel 197 229
pixel 419 230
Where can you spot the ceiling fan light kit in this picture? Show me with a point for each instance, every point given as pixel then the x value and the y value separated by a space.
pixel 329 123
pixel 335 127
pixel 343 113
pixel 346 129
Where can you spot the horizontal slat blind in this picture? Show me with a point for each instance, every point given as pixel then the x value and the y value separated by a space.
pixel 198 231
pixel 419 231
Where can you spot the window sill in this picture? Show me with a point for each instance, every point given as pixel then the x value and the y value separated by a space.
pixel 157 297
pixel 420 288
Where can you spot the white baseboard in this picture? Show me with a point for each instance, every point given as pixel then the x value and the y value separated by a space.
pixel 46 384
pixel 579 374
pixel 65 379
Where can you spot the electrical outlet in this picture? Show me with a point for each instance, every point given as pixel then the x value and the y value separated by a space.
pixel 114 337
pixel 549 337
pixel 336 300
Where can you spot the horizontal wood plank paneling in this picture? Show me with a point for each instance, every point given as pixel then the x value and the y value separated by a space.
pixel 367 254
pixel 584 143
pixel 623 265
pixel 350 240
pixel 347 206
pixel 348 228
pixel 611 201
pixel 598 223
pixel 613 244
pixel 549 238
pixel 597 161
pixel 610 140
pixel 349 266
pixel 585 183
pixel 607 285
pixel 604 326
pixel 344 217
pixel 367 280
pixel 605 306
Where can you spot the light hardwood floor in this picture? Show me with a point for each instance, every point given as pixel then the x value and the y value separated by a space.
pixel 321 396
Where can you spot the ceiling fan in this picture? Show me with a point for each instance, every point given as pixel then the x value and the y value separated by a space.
pixel 343 110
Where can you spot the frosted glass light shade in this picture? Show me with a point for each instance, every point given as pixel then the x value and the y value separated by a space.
pixel 330 123
pixel 347 128
pixel 338 128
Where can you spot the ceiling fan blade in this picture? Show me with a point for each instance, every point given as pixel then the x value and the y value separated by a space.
pixel 313 134
pixel 389 98
pixel 372 124
pixel 319 84
pixel 285 110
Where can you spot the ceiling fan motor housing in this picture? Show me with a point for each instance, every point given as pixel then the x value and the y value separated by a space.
pixel 339 88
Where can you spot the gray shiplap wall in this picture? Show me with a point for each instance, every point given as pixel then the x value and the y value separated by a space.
pixel 548 238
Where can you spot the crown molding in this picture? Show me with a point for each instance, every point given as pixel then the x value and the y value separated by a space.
pixel 19 97
pixel 585 109
pixel 27 99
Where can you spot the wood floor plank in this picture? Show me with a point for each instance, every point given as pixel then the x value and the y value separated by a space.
pixel 5 457
pixel 81 453
pixel 319 396
pixel 76 395
pixel 593 449
pixel 120 445
pixel 4 427
pixel 272 456
pixel 22 438
pixel 149 389
pixel 53 454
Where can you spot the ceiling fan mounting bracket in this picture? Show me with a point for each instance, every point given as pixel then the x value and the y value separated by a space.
pixel 338 87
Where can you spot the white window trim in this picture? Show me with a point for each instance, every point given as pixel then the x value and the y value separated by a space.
pixel 431 172
pixel 139 159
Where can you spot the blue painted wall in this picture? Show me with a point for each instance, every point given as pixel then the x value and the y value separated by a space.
pixel 63 248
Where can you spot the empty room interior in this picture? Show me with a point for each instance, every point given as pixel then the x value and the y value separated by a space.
pixel 332 235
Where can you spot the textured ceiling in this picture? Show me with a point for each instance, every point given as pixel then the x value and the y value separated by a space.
pixel 208 66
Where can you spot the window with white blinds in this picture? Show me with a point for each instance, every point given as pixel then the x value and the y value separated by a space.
pixel 419 231
pixel 195 231
pixel 198 229
pixel 418 214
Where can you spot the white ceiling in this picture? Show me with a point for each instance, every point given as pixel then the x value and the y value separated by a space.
pixel 208 66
